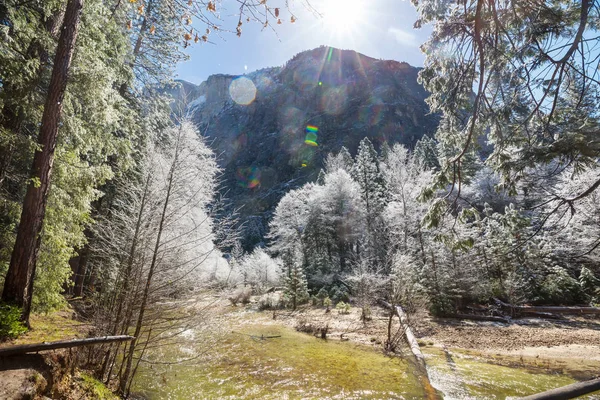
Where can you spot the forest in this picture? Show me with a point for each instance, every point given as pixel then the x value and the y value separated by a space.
pixel 111 202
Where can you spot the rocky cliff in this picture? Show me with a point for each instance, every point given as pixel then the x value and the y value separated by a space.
pixel 273 128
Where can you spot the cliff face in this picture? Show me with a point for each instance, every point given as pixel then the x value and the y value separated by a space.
pixel 273 128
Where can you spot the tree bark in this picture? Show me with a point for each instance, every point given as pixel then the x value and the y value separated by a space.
pixel 18 284
pixel 79 275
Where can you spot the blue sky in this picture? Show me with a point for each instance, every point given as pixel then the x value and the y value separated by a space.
pixel 376 28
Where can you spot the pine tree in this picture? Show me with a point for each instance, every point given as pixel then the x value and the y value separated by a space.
pixel 296 288
pixel 367 173
pixel 427 154
pixel 341 160
pixel 18 284
pixel 590 285
pixel 375 196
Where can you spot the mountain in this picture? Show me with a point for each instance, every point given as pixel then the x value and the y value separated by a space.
pixel 273 128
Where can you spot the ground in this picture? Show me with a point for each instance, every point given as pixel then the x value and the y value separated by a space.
pixel 569 346
pixel 36 376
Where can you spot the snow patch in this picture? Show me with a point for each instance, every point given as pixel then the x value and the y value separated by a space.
pixel 197 102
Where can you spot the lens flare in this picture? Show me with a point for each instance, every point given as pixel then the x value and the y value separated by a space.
pixel 311 135
pixel 242 90
pixel 248 177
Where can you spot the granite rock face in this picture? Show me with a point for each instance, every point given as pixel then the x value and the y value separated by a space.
pixel 272 128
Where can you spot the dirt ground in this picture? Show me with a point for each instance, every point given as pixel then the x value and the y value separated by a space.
pixel 570 346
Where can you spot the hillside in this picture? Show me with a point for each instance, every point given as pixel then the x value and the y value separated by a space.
pixel 262 140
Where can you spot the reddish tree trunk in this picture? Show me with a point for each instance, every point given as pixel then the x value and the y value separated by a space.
pixel 18 284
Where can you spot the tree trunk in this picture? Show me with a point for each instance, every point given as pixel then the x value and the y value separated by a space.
pixel 18 284
pixel 79 275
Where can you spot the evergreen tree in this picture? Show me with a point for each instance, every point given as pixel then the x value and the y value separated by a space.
pixel 374 195
pixel 426 153
pixel 505 91
pixel 296 288
pixel 590 285
pixel 341 160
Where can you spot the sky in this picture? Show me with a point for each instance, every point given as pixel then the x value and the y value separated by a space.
pixel 377 28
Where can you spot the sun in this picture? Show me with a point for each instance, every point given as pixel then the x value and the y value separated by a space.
pixel 342 16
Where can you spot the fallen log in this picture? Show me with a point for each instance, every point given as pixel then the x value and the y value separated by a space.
pixel 408 334
pixel 539 314
pixel 567 392
pixel 430 391
pixel 561 310
pixel 549 309
pixel 62 344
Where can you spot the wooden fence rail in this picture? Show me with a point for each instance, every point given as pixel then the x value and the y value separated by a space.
pixel 567 392
pixel 63 344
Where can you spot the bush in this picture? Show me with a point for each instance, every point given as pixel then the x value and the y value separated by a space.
pixel 10 324
pixel 241 295
pixel 327 302
pixel 343 308
pixel 322 294
pixel 561 288
pixel 314 301
pixel 590 285
pixel 271 301
pixel 366 314
pixel 339 294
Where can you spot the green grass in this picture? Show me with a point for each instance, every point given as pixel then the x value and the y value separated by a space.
pixel 97 389
pixel 51 327
pixel 295 365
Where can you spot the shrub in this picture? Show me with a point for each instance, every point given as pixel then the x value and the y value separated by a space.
pixel 314 301
pixel 10 324
pixel 590 285
pixel 321 295
pixel 561 288
pixel 270 302
pixel 366 314
pixel 343 308
pixel 241 295
pixel 339 294
pixel 327 302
